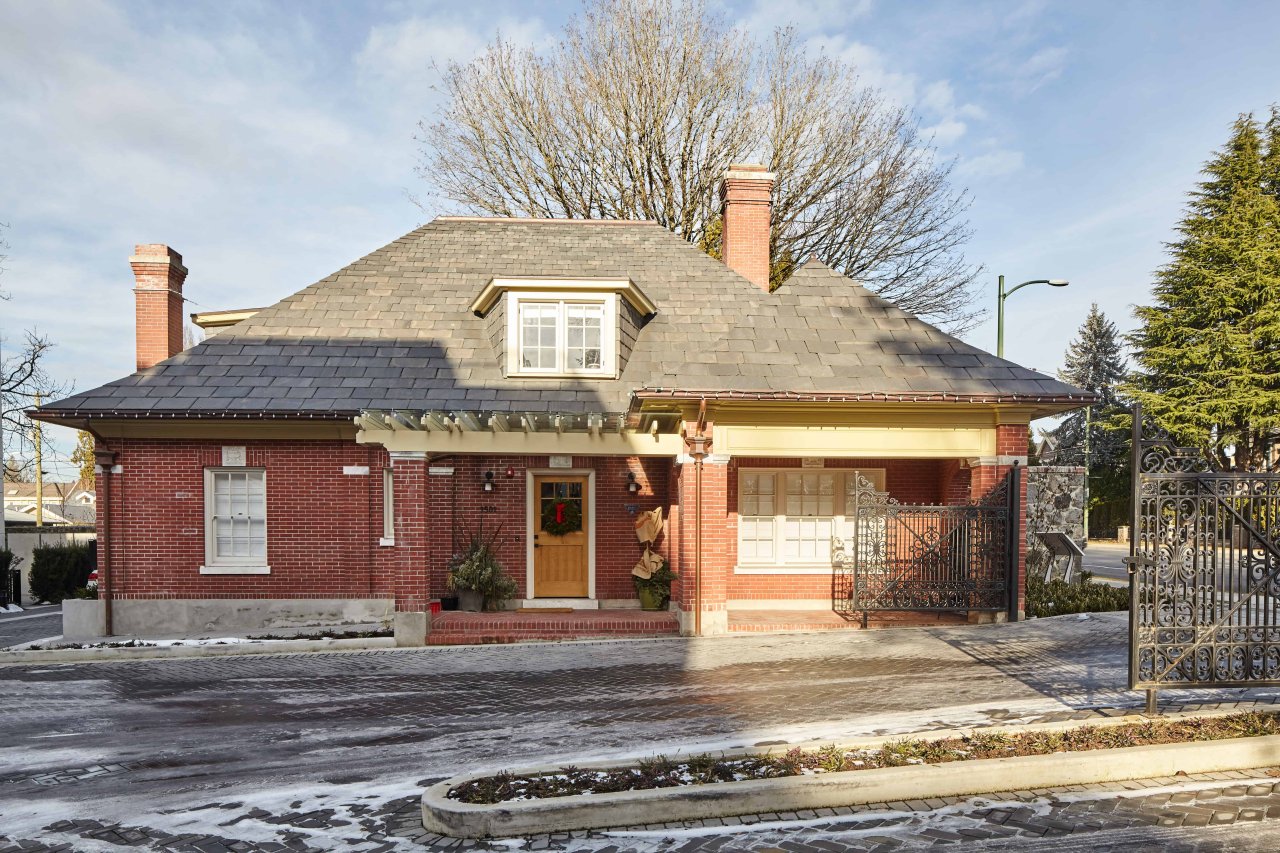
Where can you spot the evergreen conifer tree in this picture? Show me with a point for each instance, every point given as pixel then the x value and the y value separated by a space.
pixel 1094 362
pixel 1093 437
pixel 1209 347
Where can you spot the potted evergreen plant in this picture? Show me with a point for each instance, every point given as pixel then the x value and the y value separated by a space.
pixel 654 591
pixel 477 575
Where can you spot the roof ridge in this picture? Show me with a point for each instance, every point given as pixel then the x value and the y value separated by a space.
pixel 546 220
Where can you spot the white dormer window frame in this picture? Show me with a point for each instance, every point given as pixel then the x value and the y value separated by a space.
pixel 550 333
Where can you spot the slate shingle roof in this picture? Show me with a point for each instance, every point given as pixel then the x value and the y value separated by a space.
pixel 392 330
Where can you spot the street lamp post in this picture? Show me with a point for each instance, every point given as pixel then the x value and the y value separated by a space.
pixel 1052 282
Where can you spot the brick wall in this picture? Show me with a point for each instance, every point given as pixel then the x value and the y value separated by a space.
pixel 323 526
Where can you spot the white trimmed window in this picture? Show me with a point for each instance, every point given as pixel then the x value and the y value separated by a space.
pixel 388 508
pixel 235 505
pixel 787 517
pixel 561 334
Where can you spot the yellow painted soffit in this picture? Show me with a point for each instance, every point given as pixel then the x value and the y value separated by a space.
pixel 855 442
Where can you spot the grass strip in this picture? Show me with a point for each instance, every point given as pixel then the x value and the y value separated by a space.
pixel 663 772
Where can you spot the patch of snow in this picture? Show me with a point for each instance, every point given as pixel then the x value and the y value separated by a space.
pixel 11 608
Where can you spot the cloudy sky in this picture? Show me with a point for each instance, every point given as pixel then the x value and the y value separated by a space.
pixel 271 143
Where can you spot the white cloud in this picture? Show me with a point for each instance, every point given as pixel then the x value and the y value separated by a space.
pixel 993 164
pixel 946 132
pixel 805 16
pixel 265 153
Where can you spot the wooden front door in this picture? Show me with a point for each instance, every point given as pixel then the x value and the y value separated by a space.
pixel 560 564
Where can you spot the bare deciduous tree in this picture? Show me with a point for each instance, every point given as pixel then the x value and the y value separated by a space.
pixel 22 379
pixel 641 107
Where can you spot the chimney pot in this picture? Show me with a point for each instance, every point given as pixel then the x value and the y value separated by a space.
pixel 158 276
pixel 746 196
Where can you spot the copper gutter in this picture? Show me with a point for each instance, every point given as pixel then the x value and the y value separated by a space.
pixel 861 397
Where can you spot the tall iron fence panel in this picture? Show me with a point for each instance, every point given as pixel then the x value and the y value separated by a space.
pixel 1204 583
pixel 904 557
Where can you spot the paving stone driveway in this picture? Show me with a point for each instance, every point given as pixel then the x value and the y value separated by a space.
pixel 326 751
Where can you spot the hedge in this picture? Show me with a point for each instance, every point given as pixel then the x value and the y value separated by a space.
pixel 57 571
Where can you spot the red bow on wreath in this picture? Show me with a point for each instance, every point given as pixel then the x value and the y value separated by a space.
pixel 559 513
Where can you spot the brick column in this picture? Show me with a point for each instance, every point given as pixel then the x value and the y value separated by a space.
pixel 990 472
pixel 745 194
pixel 158 276
pixel 411 583
pixel 711 595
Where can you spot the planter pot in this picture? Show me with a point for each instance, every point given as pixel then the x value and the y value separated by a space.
pixel 470 600
pixel 449 602
pixel 652 599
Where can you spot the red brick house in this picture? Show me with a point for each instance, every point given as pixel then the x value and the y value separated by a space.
pixel 318 460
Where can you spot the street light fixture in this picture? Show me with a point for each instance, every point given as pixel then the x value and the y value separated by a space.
pixel 1052 282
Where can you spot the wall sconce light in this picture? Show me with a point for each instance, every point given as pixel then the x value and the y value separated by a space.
pixel 488 481
pixel 632 486
pixel 511 472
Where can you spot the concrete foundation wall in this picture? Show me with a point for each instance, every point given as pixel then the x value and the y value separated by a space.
pixel 212 617
pixel 83 620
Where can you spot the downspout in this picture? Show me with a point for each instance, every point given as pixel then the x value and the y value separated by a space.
pixel 698 450
pixel 105 460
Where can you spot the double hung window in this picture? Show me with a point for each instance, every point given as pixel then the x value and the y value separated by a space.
pixel 235 521
pixel 787 517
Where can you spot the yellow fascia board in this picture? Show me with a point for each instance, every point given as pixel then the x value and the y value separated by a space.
pixel 221 319
pixel 787 413
pixel 525 443
pixel 856 442
pixel 626 288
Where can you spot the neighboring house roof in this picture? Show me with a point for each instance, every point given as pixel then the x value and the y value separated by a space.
pixel 53 491
pixel 27 516
pixel 393 331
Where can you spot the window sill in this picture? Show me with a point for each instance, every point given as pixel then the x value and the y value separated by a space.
pixel 386 542
pixel 235 570
pixel 809 569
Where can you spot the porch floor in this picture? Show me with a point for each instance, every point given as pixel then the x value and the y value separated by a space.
pixel 456 627
pixel 773 621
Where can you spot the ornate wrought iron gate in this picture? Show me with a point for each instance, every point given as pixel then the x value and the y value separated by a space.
pixel 1204 570
pixel 903 557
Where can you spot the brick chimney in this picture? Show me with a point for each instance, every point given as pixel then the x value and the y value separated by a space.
pixel 158 275
pixel 744 242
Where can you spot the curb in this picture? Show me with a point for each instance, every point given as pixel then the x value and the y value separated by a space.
pixel 831 790
pixel 266 647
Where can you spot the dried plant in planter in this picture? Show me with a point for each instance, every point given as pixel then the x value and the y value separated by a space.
pixel 478 570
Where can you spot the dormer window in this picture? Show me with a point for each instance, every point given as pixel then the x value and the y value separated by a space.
pixel 562 334
pixel 562 326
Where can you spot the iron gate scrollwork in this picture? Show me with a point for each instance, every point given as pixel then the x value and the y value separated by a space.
pixel 1204 585
pixel 905 557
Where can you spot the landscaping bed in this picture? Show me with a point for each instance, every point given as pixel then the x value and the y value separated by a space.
pixel 1059 598
pixel 663 772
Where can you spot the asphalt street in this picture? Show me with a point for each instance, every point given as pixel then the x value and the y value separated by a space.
pixel 1106 561
pixel 34 623
pixel 328 751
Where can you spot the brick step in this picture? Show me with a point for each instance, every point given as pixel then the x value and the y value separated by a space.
pixel 454 627
pixel 454 638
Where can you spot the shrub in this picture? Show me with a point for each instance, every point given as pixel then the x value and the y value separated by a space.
pixel 57 571
pixel 1057 597
pixel 659 582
